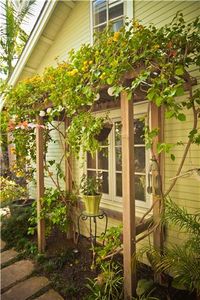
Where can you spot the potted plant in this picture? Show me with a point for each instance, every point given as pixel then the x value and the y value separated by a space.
pixel 91 192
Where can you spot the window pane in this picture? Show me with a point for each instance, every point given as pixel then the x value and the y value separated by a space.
pixel 91 173
pixel 118 127
pixel 140 187
pixel 116 25
pixel 139 159
pixel 100 28
pixel 91 161
pixel 105 187
pixel 103 159
pixel 99 8
pixel 118 158
pixel 138 132
pixel 119 184
pixel 115 11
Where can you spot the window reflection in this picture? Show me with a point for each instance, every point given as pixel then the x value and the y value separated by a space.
pixel 103 159
pixel 118 157
pixel 115 11
pixel 118 129
pixel 105 185
pixel 138 131
pixel 99 8
pixel 91 161
pixel 119 184
pixel 140 184
pixel 139 159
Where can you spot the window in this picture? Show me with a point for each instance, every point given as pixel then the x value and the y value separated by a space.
pixel 107 11
pixel 108 161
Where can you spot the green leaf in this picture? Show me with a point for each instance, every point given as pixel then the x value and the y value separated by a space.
pixel 109 80
pixel 179 71
pixel 181 117
pixel 51 162
pixel 179 91
pixel 151 95
pixel 159 101
pixel 173 157
pixel 169 114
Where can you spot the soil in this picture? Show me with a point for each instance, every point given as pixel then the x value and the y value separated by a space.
pixel 68 266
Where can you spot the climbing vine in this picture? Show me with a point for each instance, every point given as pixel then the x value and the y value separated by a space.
pixel 151 62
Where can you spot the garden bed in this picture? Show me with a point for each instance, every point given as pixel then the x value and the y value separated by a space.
pixel 69 271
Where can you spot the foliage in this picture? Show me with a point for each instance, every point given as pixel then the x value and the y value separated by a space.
pixel 108 285
pixel 181 261
pixel 112 244
pixel 144 290
pixel 91 185
pixel 83 137
pixel 56 211
pixel 13 37
pixel 156 60
pixel 10 190
pixel 14 229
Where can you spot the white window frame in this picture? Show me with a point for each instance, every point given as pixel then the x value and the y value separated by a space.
pixel 128 12
pixel 111 200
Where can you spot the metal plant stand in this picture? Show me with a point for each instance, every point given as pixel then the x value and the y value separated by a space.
pixel 84 216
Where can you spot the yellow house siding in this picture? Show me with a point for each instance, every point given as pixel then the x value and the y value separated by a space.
pixel 186 192
pixel 162 12
pixel 55 152
pixel 74 32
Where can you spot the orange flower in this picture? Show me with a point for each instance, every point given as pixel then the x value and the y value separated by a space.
pixel 25 123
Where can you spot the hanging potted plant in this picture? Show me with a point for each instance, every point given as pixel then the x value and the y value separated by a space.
pixel 91 193
pixel 103 134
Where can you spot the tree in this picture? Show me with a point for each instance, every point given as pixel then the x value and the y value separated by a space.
pixel 13 37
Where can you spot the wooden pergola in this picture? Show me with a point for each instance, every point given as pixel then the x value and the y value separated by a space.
pixel 131 227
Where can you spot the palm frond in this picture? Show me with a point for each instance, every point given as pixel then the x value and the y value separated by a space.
pixel 179 216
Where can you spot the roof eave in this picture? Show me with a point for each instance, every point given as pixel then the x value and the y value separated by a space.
pixel 33 39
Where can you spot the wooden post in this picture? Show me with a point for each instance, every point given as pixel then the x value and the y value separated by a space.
pixel 40 183
pixel 129 222
pixel 11 154
pixel 157 170
pixel 68 163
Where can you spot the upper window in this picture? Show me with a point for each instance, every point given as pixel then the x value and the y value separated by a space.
pixel 107 12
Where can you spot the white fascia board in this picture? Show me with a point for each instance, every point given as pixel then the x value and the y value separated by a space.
pixel 33 39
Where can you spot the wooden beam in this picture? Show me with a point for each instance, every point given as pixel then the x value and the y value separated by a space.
pixel 157 171
pixel 129 220
pixel 40 183
pixel 68 161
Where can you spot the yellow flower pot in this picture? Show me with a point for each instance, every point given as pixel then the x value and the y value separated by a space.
pixel 92 204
